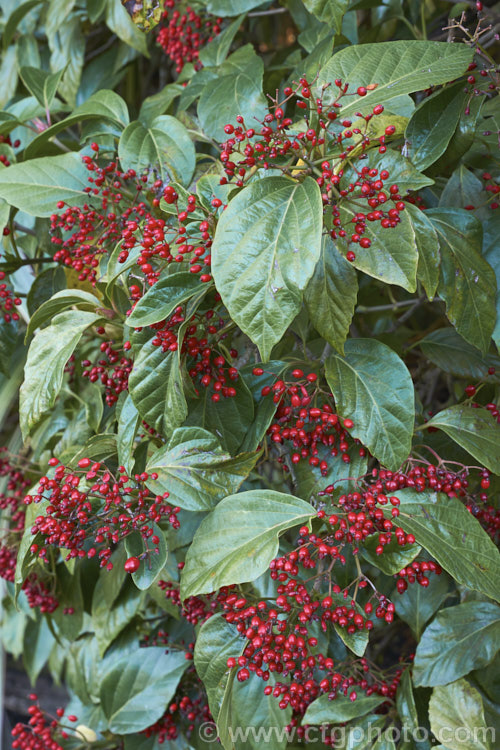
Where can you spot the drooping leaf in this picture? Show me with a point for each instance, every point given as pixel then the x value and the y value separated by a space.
pixel 156 389
pixel 135 691
pixel 426 240
pixel 153 556
pixel 215 52
pixel 418 604
pixel 266 246
pixel 451 353
pixel 165 144
pixel 458 640
pixel 476 430
pixel 432 125
pixel 239 538
pixel 467 283
pixel 60 301
pixel 41 84
pixel 47 357
pixel 372 387
pixel 444 527
pixel 330 12
pixel 128 423
pixel 195 470
pixel 330 296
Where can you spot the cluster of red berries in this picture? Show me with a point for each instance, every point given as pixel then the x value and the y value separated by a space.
pixel 7 141
pixel 305 420
pixel 8 301
pixel 479 88
pixel 189 241
pixel 83 235
pixel 194 609
pixel 89 511
pixel 42 732
pixel 11 501
pixel 112 371
pixel 183 34
pixel 185 711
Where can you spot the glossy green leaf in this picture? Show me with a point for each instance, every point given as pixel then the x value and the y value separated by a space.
pixel 237 90
pixel 136 690
pixel 372 387
pixel 457 720
pixel 266 246
pixel 37 185
pixel 355 642
pixel 433 123
pixel 392 256
pixel 120 23
pixel 330 12
pixel 195 470
pixel 444 527
pixel 342 708
pixel 128 422
pixel 47 357
pixel 418 604
pixel 394 557
pixel 451 353
pixel 407 713
pixel 426 240
pixel 38 640
pixel 467 283
pixel 165 144
pixel 330 296
pixel 156 389
pixel 462 189
pixel 153 557
pixel 239 538
pixel 397 68
pixel 162 299
pixel 458 640
pixel 158 104
pixel 59 302
pixel 109 621
pixel 476 430
pixel 216 51
pixel 15 19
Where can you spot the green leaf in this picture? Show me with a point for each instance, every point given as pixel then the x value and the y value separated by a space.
pixel 467 283
pixel 458 640
pixel 330 12
pixel 444 527
pixel 153 557
pixel 310 480
pixel 165 144
pixel 157 104
pixel 195 470
pixel 266 246
pixel 462 189
pixel 331 294
pixel 237 90
pixel 342 708
pixel 109 621
pixel 426 240
pixel 217 640
pixel 59 302
pixel 476 430
pixel 215 52
pixel 41 84
pixel 456 715
pixel 45 285
pixel 120 23
pixel 358 641
pixel 162 299
pixel 8 343
pixel 373 387
pixel 451 353
pixel 228 418
pixel 156 389
pixel 392 256
pixel 491 230
pixel 128 422
pixel 47 358
pixel 398 68
pixel 15 19
pixel 239 538
pixel 135 691
pixel 38 640
pixel 433 123
pixel 37 185
pixel 417 605
pixel 407 711
pixel 231 7
pixel 394 557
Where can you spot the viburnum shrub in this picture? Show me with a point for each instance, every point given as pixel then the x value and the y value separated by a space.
pixel 250 377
